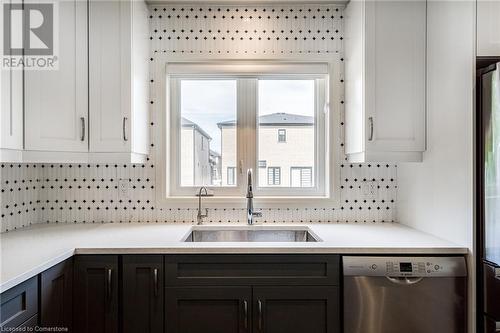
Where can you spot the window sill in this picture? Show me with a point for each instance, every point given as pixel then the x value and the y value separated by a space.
pixel 259 202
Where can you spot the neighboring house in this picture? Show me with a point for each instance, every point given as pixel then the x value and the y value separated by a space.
pixel 216 168
pixel 195 155
pixel 286 151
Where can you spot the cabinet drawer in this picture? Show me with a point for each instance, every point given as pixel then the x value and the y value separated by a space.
pixel 30 323
pixel 19 304
pixel 252 269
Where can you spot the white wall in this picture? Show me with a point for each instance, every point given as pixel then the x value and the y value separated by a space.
pixel 436 196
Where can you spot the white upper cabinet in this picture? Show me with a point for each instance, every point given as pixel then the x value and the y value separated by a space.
pixel 11 111
pixel 488 28
pixel 118 78
pixel 56 108
pixel 94 107
pixel 385 80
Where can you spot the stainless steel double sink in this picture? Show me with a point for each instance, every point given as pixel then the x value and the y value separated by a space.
pixel 251 234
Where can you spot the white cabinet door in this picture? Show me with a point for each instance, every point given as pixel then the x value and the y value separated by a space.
pixel 110 75
pixel 488 28
pixel 385 80
pixel 11 105
pixel 395 76
pixel 56 106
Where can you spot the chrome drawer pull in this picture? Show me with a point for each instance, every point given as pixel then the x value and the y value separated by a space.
pixel 155 279
pixel 259 303
pixel 125 138
pixel 82 122
pixel 245 308
pixel 370 119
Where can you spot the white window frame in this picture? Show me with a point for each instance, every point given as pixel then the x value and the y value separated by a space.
pixel 267 198
pixel 274 183
pixel 301 168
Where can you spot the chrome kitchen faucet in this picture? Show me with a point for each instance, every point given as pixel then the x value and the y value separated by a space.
pixel 250 211
pixel 200 216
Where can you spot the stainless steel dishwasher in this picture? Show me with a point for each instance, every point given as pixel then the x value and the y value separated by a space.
pixel 405 294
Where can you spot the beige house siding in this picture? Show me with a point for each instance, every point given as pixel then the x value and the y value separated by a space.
pixel 228 154
pixel 187 157
pixel 195 163
pixel 297 151
pixel 201 160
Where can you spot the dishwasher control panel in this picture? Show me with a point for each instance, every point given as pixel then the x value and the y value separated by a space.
pixel 404 266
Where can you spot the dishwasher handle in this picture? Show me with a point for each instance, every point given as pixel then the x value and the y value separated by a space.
pixel 404 281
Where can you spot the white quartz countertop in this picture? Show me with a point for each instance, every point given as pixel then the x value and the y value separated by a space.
pixel 29 251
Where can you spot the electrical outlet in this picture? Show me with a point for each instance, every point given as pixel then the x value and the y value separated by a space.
pixel 369 189
pixel 123 188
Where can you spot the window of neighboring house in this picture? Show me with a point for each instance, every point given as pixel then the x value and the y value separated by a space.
pixel 282 135
pixel 210 105
pixel 273 176
pixel 301 177
pixel 231 176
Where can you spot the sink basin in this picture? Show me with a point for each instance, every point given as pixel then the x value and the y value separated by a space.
pixel 251 234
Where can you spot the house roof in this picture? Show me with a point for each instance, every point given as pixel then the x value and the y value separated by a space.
pixel 214 153
pixel 188 123
pixel 277 119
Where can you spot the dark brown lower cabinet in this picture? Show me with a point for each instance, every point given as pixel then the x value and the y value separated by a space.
pixel 19 305
pixel 296 309
pixel 143 293
pixel 56 296
pixel 96 294
pixel 180 294
pixel 208 309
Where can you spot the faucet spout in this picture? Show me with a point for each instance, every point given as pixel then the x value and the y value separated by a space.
pixel 249 184
pixel 250 210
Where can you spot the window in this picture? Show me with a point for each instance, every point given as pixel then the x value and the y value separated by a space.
pixel 274 176
pixel 224 120
pixel 301 177
pixel 282 135
pixel 300 132
pixel 231 176
pixel 205 106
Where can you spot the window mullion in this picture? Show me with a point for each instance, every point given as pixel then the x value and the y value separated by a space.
pixel 247 124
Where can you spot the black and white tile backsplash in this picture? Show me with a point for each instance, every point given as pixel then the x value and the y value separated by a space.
pixel 81 193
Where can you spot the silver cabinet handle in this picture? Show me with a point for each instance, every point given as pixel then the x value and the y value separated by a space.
pixel 125 138
pixel 109 284
pixel 245 309
pixel 259 305
pixel 370 120
pixel 82 123
pixel 155 280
